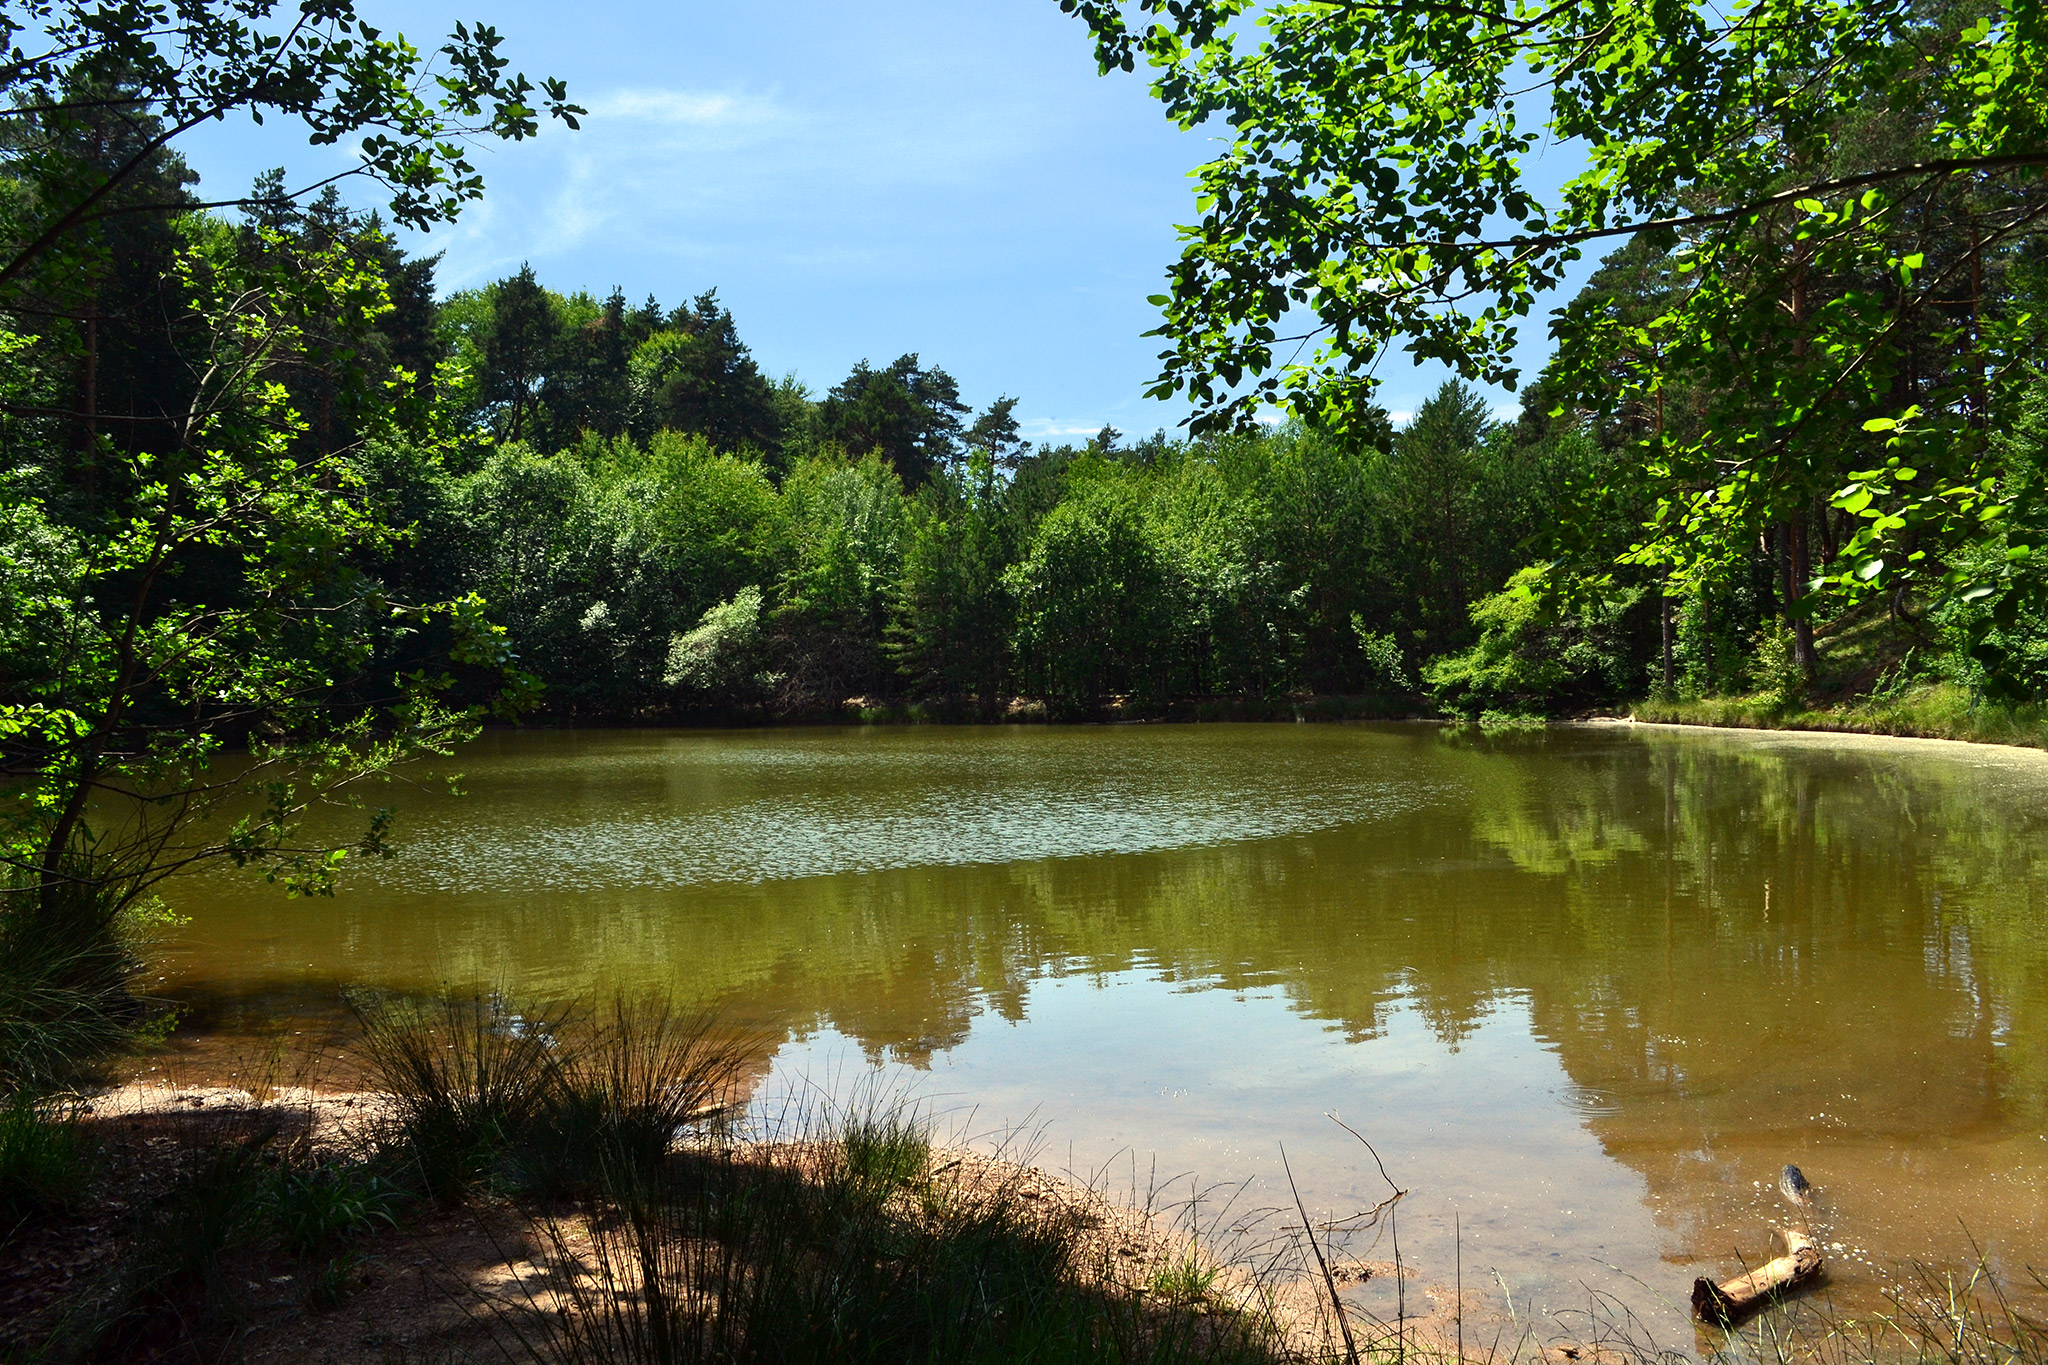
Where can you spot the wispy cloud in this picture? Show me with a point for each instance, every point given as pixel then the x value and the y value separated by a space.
pixel 1056 428
pixel 691 109
pixel 700 175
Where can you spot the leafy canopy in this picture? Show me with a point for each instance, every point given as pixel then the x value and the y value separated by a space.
pixel 171 65
pixel 1375 186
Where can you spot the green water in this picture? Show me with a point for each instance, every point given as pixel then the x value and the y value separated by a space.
pixel 1586 991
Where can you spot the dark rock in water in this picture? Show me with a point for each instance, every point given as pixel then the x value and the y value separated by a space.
pixel 1794 1187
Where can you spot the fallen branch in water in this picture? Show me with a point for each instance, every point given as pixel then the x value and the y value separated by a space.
pixel 1730 1301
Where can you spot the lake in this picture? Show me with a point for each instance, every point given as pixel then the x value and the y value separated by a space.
pixel 1585 990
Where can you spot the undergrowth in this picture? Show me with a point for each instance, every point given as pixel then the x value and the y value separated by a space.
pixel 1931 711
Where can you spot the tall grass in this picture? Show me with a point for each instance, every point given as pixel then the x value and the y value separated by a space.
pixel 626 1088
pixel 42 1161
pixel 466 1077
pixel 66 970
pixel 849 1244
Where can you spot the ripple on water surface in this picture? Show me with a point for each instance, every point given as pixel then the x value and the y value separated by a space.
pixel 784 810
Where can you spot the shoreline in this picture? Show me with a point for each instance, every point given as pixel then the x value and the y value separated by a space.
pixel 1933 715
pixel 1737 714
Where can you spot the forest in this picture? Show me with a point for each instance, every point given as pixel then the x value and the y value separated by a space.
pixel 663 532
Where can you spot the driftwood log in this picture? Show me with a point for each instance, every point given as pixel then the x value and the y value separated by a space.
pixel 1732 1300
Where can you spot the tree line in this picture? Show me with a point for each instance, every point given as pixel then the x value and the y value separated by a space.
pixel 664 530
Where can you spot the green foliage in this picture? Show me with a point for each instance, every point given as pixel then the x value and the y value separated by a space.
pixel 883 1151
pixel 1531 655
pixel 721 657
pixel 951 623
pixel 695 377
pixel 198 511
pixel 178 69
pixel 315 1208
pixel 67 957
pixel 1093 590
pixel 1776 350
pixel 1775 673
pixel 1382 657
pixel 637 579
pixel 907 415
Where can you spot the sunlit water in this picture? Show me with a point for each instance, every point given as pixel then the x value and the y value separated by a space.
pixel 1585 991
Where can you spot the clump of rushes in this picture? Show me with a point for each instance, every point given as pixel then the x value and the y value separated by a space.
pixel 42 1160
pixel 882 1151
pixel 66 970
pixel 622 1094
pixel 468 1080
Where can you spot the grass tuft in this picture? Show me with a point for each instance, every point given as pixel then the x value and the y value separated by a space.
pixel 42 1160
pixel 847 1242
pixel 468 1080
pixel 66 971
pixel 620 1097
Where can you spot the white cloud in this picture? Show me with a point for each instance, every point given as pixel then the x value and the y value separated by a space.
pixel 696 175
pixel 1056 428
pixel 683 108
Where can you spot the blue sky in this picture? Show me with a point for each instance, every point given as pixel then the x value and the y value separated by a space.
pixel 857 178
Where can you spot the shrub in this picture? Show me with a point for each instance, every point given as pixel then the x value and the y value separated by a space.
pixel 1536 652
pixel 724 655
pixel 1774 668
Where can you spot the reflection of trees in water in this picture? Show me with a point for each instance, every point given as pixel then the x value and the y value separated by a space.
pixel 1671 907
pixel 1622 887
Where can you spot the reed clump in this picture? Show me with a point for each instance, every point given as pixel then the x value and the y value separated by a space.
pixel 43 1160
pixel 856 1243
pixel 67 968
pixel 663 1227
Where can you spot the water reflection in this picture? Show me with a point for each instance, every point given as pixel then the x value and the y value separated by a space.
pixel 1589 988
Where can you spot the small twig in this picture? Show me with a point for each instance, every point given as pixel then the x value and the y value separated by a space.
pixel 1398 1191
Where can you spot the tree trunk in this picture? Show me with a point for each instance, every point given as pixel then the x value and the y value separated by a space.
pixel 1707 643
pixel 1802 624
pixel 1670 679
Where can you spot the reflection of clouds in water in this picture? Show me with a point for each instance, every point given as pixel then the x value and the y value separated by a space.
pixel 773 839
